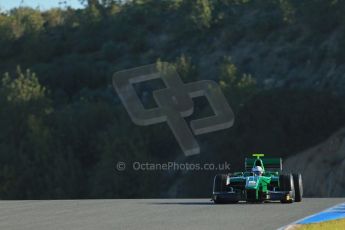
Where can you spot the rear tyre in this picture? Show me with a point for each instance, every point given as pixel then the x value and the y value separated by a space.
pixel 297 178
pixel 286 183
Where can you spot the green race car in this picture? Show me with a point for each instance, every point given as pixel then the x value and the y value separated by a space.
pixel 262 180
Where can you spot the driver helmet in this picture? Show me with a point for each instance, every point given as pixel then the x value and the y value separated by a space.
pixel 257 170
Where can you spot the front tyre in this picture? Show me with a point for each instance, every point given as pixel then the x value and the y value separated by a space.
pixel 220 186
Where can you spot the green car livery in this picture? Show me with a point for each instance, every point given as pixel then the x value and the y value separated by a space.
pixel 262 180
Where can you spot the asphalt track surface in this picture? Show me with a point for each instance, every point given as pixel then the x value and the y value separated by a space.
pixel 152 214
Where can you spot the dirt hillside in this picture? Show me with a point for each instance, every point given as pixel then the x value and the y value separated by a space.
pixel 322 167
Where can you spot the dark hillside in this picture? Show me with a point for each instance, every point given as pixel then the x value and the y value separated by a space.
pixel 62 128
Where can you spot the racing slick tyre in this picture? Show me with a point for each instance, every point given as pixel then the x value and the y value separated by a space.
pixel 220 183
pixel 286 182
pixel 298 184
pixel 220 186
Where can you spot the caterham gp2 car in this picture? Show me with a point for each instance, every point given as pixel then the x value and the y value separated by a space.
pixel 263 180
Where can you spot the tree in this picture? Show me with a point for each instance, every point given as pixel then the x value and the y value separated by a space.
pixel 23 88
pixel 201 13
pixel 185 68
pixel 237 87
pixel 26 20
pixel 24 137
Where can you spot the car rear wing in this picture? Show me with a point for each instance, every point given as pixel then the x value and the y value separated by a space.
pixel 270 164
